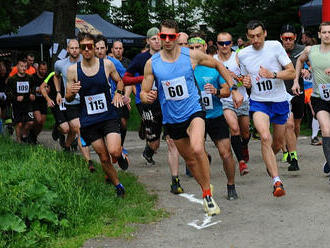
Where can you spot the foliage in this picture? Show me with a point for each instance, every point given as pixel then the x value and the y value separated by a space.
pixel 49 198
pixel 232 16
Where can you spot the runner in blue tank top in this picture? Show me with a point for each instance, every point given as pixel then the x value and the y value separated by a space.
pixel 100 124
pixel 213 87
pixel 172 70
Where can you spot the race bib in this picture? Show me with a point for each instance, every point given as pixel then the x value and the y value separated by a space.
pixel 62 105
pixel 264 85
pixel 96 104
pixel 324 91
pixel 175 89
pixel 207 100
pixel 23 87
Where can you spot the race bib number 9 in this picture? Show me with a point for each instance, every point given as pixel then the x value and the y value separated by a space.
pixel 23 87
pixel 96 104
pixel 207 100
pixel 324 91
pixel 175 89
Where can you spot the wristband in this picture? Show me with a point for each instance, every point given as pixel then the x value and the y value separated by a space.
pixel 121 92
pixel 234 87
pixel 274 75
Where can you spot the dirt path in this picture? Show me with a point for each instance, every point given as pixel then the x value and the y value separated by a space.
pixel 256 220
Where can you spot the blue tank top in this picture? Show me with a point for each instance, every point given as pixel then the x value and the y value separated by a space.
pixel 95 97
pixel 178 92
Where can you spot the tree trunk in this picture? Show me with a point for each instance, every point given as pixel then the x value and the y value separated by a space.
pixel 63 23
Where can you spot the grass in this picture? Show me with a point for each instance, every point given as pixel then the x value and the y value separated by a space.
pixel 50 199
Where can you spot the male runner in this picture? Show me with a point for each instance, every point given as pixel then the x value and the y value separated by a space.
pixel 71 109
pixel 319 57
pixel 288 37
pixel 150 113
pixel 263 61
pixel 99 121
pixel 213 87
pixel 237 118
pixel 183 117
pixel 40 104
pixel 20 92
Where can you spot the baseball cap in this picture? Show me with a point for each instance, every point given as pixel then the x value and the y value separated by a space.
pixel 288 28
pixel 152 31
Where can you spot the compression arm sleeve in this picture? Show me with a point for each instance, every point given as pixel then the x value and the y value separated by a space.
pixel 49 76
pixel 130 79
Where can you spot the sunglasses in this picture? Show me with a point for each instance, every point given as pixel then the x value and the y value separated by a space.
pixel 287 38
pixel 89 46
pixel 171 37
pixel 222 43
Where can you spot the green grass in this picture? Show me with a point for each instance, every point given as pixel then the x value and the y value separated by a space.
pixel 50 199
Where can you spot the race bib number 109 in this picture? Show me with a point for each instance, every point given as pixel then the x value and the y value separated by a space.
pixel 96 104
pixel 175 89
pixel 23 87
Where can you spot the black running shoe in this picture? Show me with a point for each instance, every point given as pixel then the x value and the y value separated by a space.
pixel 91 166
pixel 120 192
pixel 123 162
pixel 293 165
pixel 62 140
pixel 149 160
pixel 176 186
pixel 231 193
pixel 74 145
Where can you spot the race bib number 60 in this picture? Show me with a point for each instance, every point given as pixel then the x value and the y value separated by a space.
pixel 175 89
pixel 96 104
pixel 324 91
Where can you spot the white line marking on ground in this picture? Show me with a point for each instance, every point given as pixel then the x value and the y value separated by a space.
pixel 207 222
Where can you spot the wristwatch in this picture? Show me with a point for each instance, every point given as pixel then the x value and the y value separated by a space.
pixel 121 92
pixel 234 87
pixel 274 75
pixel 218 92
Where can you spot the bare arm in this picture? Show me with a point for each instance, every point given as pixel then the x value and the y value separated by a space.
pixel 57 83
pixel 72 84
pixel 43 90
pixel 299 66
pixel 147 95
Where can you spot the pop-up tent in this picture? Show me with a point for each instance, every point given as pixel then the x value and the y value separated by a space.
pixel 311 13
pixel 39 32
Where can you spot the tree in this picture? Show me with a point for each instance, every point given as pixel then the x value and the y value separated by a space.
pixel 64 22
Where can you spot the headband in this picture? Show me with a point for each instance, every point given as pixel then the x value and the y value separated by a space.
pixel 196 40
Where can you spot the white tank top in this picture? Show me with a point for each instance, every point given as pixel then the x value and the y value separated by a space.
pixel 272 57
pixel 232 65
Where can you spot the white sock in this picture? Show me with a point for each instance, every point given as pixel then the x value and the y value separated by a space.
pixel 276 179
pixel 315 128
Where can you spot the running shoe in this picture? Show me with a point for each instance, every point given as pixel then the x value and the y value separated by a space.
pixel 231 193
pixel 326 168
pixel 148 159
pixel 120 191
pixel 243 168
pixel 293 165
pixel 125 151
pixel 315 141
pixel 176 186
pixel 91 166
pixel 278 189
pixel 210 206
pixel 123 161
pixel 285 157
pixel 245 153
pixel 74 145
pixel 62 140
